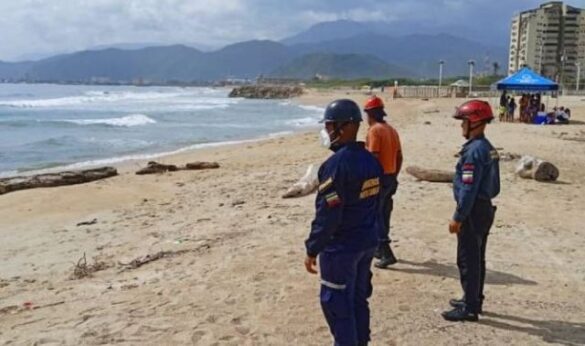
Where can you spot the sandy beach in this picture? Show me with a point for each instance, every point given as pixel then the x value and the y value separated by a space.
pixel 233 272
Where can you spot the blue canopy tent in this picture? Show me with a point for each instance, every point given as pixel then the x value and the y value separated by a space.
pixel 527 80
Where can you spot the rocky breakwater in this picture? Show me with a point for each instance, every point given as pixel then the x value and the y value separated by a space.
pixel 266 92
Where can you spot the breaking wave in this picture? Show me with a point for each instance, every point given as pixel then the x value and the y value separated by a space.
pixel 127 121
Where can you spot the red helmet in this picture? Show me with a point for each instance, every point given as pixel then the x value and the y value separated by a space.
pixel 373 102
pixel 474 111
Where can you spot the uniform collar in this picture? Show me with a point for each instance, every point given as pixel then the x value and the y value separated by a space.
pixel 353 145
pixel 469 141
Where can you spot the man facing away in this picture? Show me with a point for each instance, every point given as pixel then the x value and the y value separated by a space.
pixel 384 143
pixel 476 183
pixel 344 232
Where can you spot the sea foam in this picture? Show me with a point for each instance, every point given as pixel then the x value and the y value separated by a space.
pixel 127 121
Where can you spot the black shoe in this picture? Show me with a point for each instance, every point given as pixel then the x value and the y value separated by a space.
pixel 387 258
pixel 460 303
pixel 460 315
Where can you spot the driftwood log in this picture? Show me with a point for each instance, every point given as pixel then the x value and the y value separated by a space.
pixel 532 168
pixel 306 185
pixel 157 168
pixel 432 175
pixel 55 179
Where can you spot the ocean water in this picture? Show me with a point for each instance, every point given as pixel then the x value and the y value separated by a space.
pixel 56 126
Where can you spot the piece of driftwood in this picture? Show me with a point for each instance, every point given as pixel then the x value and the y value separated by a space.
pixel 142 260
pixel 157 168
pixel 532 168
pixel 306 185
pixel 201 165
pixel 432 175
pixel 55 179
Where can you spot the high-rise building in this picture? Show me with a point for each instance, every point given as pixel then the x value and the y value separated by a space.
pixel 550 40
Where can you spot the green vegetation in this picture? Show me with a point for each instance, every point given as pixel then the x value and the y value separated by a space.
pixel 376 83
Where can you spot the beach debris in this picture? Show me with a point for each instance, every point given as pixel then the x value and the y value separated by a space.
pixel 532 168
pixel 201 165
pixel 55 179
pixel 238 202
pixel 306 185
pixel 431 175
pixel 83 270
pixel 14 309
pixel 87 223
pixel 428 123
pixel 157 168
pixel 266 92
pixel 142 260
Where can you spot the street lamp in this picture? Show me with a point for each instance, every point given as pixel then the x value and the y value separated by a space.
pixel 471 63
pixel 578 64
pixel 441 63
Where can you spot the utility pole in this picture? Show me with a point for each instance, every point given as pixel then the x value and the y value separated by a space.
pixel 441 63
pixel 471 63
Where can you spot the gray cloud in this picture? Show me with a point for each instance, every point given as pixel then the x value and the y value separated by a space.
pixel 30 27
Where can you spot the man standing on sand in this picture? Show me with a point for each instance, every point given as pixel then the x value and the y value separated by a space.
pixel 384 143
pixel 476 182
pixel 345 229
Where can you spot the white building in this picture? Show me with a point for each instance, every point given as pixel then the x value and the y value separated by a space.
pixel 550 40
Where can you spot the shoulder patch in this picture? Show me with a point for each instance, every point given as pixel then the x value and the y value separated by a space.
pixel 325 185
pixel 494 155
pixel 370 187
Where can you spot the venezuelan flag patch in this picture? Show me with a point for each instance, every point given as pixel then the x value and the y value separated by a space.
pixel 467 175
pixel 332 200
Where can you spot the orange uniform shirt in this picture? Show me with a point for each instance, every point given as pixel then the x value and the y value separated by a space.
pixel 383 140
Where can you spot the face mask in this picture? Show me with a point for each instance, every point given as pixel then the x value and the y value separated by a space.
pixel 325 139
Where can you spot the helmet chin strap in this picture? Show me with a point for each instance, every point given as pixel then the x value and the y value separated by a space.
pixel 471 128
pixel 336 132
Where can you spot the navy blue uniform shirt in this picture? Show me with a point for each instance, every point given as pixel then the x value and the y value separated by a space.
pixel 477 175
pixel 347 217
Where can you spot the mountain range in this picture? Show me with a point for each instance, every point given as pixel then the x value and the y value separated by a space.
pixel 341 49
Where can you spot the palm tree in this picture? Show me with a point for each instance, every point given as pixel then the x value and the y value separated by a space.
pixel 496 67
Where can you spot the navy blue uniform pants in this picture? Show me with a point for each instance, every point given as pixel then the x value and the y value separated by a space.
pixel 346 285
pixel 471 247
pixel 389 185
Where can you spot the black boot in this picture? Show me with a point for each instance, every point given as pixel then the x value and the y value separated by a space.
pixel 460 303
pixel 460 314
pixel 387 258
pixel 378 252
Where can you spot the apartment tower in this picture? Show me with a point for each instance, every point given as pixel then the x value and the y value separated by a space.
pixel 550 40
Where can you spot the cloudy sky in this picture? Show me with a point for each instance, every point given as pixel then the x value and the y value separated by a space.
pixel 30 28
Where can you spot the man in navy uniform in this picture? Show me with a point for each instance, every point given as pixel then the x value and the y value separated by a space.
pixel 344 233
pixel 476 183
